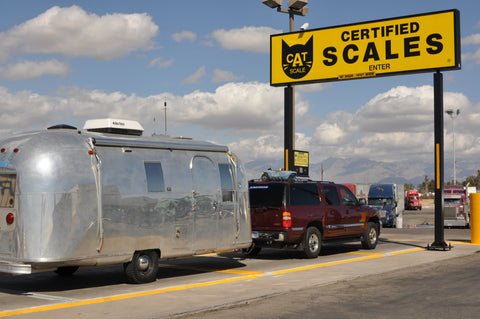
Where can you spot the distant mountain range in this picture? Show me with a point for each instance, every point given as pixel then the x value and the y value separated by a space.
pixel 367 171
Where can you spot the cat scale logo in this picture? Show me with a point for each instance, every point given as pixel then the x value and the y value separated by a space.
pixel 297 59
pixel 427 42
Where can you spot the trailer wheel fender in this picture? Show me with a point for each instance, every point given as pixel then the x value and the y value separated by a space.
pixel 143 267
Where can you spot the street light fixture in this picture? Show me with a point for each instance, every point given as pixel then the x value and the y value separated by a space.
pixel 453 114
pixel 295 7
pixel 297 4
pixel 273 3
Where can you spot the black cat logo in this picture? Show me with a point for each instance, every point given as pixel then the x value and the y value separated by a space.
pixel 297 59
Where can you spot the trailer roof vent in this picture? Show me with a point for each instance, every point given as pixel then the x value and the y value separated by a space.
pixel 62 127
pixel 114 126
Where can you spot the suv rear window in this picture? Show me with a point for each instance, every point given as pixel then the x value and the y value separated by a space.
pixel 266 195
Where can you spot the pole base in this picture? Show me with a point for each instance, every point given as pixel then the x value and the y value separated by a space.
pixel 440 246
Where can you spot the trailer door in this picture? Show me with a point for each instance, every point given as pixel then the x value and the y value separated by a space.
pixel 227 221
pixel 205 199
pixel 8 211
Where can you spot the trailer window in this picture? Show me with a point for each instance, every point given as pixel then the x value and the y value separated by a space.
pixel 7 190
pixel 226 182
pixel 154 173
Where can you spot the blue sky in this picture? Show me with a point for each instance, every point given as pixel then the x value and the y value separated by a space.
pixel 68 61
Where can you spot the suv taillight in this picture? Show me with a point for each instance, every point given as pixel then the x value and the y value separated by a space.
pixel 287 219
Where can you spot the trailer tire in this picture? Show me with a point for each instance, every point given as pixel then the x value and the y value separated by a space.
pixel 252 250
pixel 370 237
pixel 312 242
pixel 66 270
pixel 143 268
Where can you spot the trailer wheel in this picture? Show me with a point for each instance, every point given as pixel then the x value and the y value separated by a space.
pixel 370 237
pixel 252 250
pixel 143 268
pixel 66 271
pixel 312 242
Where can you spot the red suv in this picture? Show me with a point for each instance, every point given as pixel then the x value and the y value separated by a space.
pixel 303 214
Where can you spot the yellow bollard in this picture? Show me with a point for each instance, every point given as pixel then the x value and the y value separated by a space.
pixel 475 218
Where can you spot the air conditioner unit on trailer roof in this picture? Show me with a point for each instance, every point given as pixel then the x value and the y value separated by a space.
pixel 114 126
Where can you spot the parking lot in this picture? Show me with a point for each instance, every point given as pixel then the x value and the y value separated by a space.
pixel 201 284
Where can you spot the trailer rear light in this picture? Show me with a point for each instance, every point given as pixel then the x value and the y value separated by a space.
pixel 3 150
pixel 16 150
pixel 10 218
pixel 287 219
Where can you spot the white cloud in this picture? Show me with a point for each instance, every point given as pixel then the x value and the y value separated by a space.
pixel 399 109
pixel 330 134
pixel 471 39
pixel 246 107
pixel 195 77
pixel 184 35
pixel 73 32
pixel 315 87
pixel 250 39
pixel 473 56
pixel 223 76
pixel 28 70
pixel 263 147
pixel 159 62
pixel 249 117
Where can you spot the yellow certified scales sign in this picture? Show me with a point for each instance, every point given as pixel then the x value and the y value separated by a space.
pixel 410 44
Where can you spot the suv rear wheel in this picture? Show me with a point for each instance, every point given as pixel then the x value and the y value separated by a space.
pixel 312 242
pixel 370 237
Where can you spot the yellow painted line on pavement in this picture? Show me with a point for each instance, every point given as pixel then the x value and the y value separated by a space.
pixel 333 263
pixel 119 297
pixel 223 271
pixel 245 275
pixel 400 240
pixel 365 253
pixel 463 243
pixel 406 251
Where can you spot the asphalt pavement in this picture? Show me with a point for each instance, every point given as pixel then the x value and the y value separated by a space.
pixel 401 278
pixel 413 282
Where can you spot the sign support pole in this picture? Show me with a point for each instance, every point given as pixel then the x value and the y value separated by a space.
pixel 439 243
pixel 289 126
pixel 289 113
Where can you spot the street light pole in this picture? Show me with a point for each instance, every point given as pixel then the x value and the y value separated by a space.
pixel 295 7
pixel 453 114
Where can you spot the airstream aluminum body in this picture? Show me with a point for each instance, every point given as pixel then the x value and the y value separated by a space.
pixel 71 198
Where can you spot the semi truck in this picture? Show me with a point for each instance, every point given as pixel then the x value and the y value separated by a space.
pixel 388 199
pixel 108 195
pixel 412 200
pixel 456 206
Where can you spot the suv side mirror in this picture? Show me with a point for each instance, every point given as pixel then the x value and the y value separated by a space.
pixel 362 201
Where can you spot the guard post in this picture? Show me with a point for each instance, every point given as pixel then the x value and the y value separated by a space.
pixel 475 218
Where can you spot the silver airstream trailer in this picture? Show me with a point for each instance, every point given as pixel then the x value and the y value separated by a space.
pixel 106 195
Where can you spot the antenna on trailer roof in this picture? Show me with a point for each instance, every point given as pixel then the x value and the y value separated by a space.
pixel 165 108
